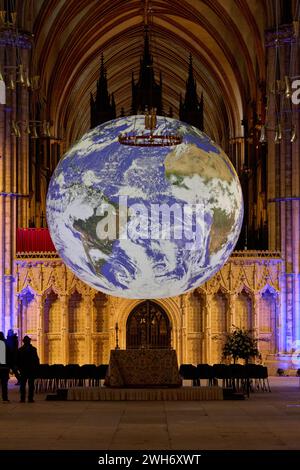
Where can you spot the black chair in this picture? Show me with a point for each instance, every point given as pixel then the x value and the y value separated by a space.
pixel 100 373
pixel 189 372
pixel 222 372
pixel 72 375
pixel 265 378
pixel 205 372
pixel 56 376
pixel 239 378
pixel 259 374
pixel 88 374
pixel 42 378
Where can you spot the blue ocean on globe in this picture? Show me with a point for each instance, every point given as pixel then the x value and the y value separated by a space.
pixel 149 221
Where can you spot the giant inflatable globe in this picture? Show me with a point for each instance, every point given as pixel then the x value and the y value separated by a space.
pixel 144 221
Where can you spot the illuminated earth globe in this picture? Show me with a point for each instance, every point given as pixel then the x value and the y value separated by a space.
pixel 147 221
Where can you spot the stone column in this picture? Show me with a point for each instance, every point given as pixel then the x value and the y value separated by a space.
pixel 255 315
pixel 231 312
pixel 207 327
pixel 17 323
pixel 40 326
pixel 284 182
pixel 185 311
pixel 112 320
pixel 64 304
pixel 10 173
pixel 23 149
pixel 88 313
pixel 279 340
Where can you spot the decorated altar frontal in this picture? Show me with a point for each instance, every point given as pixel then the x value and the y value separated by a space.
pixel 135 368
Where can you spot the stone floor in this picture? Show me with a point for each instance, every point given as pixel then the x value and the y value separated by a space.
pixel 265 421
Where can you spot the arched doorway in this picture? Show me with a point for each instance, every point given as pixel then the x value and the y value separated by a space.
pixel 148 327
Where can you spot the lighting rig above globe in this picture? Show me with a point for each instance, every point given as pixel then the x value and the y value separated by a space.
pixel 144 207
pixel 149 137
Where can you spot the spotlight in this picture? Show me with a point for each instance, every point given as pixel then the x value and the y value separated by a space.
pixel 27 129
pixel 263 138
pixel 288 88
pixel 34 134
pixel 21 78
pixel 278 134
pixel 15 130
pixel 293 135
pixel 27 80
pixel 11 84
pixel 46 129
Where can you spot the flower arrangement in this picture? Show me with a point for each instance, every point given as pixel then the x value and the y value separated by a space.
pixel 240 344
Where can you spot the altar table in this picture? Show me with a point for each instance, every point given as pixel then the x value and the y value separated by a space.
pixel 143 368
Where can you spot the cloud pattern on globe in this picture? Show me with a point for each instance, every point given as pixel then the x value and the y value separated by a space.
pixel 144 222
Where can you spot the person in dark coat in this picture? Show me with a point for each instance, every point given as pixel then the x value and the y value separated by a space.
pixel 27 362
pixel 4 368
pixel 12 344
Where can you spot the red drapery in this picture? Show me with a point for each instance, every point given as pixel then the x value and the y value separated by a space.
pixel 34 239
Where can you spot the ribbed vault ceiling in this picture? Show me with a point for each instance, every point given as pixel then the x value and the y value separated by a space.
pixel 225 38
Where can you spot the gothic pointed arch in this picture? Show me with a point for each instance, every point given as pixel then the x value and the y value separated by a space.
pixel 268 288
pixel 26 312
pixel 52 312
pixel 268 312
pixel 76 312
pixel 244 308
pixel 148 327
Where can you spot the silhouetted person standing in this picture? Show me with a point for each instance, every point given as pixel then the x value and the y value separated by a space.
pixel 13 345
pixel 27 362
pixel 4 368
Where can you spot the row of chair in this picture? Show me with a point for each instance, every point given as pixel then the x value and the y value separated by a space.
pixel 52 377
pixel 249 377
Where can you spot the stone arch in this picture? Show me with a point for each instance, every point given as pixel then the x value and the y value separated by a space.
pixel 215 286
pixel 27 314
pixel 196 323
pixel 77 286
pixel 218 322
pixel 171 308
pixel 75 312
pixel 51 326
pixel 244 308
pixel 196 315
pixel 52 314
pixel 26 289
pixel 219 311
pixel 244 288
pixel 76 325
pixel 51 288
pixel 99 316
pixel 269 288
pixel 148 326
pixel 267 319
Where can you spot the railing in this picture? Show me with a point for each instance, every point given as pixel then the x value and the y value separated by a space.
pixel 37 254
pixel 256 254
pixel 37 243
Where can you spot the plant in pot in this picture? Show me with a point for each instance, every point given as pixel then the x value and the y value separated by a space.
pixel 240 344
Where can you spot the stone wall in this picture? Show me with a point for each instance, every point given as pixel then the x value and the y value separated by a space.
pixel 72 323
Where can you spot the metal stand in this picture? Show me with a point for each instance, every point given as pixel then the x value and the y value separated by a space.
pixel 117 336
